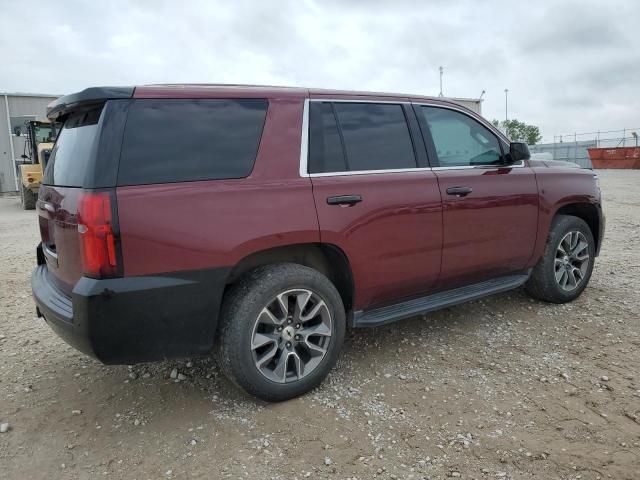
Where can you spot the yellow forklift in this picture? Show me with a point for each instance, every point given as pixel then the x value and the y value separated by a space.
pixel 39 139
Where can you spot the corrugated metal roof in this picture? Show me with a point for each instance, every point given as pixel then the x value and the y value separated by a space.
pixel 22 94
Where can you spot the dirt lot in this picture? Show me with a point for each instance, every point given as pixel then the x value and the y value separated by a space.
pixel 500 388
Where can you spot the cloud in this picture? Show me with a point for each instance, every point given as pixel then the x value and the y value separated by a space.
pixel 575 29
pixel 568 66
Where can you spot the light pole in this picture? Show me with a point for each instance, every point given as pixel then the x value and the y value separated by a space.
pixel 441 70
pixel 506 104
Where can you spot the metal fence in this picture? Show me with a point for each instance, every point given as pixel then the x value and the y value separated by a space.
pixel 575 152
pixel 626 137
pixel 573 147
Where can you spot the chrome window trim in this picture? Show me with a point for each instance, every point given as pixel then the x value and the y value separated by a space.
pixel 469 167
pixel 304 142
pixel 369 172
pixel 348 100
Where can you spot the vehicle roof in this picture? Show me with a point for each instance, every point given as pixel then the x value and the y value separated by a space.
pixel 228 90
pixel 67 103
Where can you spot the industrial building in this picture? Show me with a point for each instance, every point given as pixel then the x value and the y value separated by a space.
pixel 474 104
pixel 17 108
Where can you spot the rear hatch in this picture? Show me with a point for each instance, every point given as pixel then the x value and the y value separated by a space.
pixel 63 196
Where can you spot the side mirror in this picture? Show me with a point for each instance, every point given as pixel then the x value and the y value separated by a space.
pixel 519 151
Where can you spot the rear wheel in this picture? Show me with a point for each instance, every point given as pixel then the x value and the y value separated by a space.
pixel 282 328
pixel 564 270
pixel 27 198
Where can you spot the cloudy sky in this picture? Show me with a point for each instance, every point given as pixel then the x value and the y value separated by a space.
pixel 569 66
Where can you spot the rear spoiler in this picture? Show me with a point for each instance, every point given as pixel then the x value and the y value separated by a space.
pixel 68 103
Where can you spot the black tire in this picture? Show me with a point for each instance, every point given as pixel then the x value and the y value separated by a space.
pixel 241 307
pixel 27 198
pixel 542 284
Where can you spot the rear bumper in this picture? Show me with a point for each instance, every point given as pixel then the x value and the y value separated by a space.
pixel 135 319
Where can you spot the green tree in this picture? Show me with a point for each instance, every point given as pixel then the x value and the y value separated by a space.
pixel 519 131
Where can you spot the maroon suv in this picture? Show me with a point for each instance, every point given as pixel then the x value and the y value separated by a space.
pixel 259 221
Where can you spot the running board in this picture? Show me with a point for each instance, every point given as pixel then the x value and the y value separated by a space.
pixel 436 301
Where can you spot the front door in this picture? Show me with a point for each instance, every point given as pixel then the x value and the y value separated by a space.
pixel 375 196
pixel 490 208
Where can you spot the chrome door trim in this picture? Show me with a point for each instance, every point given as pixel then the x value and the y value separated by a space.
pixel 486 167
pixel 369 172
pixel 304 142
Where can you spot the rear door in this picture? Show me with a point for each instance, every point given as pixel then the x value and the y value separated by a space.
pixel 375 196
pixel 84 160
pixel 62 183
pixel 490 209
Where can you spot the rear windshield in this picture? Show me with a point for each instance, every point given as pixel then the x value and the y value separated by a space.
pixel 74 149
pixel 192 139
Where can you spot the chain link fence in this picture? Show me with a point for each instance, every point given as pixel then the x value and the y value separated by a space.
pixel 573 147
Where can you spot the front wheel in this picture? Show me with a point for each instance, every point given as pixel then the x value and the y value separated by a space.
pixel 565 268
pixel 282 328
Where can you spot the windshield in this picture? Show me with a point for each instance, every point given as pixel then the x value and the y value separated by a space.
pixel 74 149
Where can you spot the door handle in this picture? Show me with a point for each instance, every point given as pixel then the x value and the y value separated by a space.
pixel 344 200
pixel 459 191
pixel 48 207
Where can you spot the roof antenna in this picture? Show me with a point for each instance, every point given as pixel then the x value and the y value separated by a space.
pixel 441 70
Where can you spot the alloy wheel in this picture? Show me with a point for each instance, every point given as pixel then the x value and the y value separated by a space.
pixel 291 335
pixel 572 261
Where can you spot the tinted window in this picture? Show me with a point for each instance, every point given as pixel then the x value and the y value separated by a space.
pixel 376 136
pixel 183 140
pixel 74 150
pixel 325 147
pixel 459 140
pixel 358 136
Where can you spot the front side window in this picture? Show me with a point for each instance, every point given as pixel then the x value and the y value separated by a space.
pixel 185 140
pixel 459 140
pixel 355 137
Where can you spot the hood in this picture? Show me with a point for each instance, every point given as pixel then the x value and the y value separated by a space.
pixel 552 163
pixel 560 163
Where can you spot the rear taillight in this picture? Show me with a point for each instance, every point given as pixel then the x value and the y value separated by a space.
pixel 98 241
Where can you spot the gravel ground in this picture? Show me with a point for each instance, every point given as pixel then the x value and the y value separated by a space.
pixel 505 388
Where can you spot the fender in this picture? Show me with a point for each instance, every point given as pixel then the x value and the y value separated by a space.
pixel 559 186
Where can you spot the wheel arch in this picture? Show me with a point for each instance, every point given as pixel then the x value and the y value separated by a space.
pixel 328 259
pixel 587 212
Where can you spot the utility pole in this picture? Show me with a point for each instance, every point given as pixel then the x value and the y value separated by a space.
pixel 506 95
pixel 441 70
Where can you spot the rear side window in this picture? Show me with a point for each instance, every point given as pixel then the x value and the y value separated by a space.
pixel 325 147
pixel 372 136
pixel 74 150
pixel 184 140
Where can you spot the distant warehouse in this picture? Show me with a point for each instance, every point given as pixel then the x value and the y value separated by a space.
pixel 17 108
pixel 473 104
